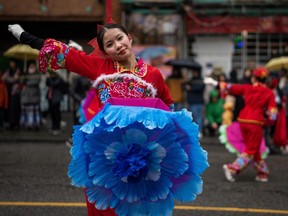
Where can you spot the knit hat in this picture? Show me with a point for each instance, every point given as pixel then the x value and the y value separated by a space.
pixel 260 72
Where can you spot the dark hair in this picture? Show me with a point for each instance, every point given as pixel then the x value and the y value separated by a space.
pixel 261 80
pixel 101 32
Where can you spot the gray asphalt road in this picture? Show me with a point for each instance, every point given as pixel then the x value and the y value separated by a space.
pixel 33 181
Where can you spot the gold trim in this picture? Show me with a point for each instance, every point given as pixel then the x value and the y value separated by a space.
pixel 250 121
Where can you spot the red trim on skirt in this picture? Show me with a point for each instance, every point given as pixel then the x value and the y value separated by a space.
pixel 92 211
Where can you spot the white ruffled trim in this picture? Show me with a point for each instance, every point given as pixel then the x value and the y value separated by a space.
pixel 130 76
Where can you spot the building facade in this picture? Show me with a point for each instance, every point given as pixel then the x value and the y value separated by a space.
pixel 223 33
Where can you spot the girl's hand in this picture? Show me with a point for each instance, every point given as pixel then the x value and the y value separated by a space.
pixel 16 30
pixel 209 80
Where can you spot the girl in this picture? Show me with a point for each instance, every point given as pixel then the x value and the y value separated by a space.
pixel 258 99
pixel 119 74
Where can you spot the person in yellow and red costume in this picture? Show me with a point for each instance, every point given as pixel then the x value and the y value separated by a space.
pixel 258 100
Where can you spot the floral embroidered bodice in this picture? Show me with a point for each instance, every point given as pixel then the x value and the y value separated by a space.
pixel 122 85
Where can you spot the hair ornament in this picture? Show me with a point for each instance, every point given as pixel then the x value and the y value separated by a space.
pixel 96 50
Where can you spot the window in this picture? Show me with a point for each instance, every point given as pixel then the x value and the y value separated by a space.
pixel 259 48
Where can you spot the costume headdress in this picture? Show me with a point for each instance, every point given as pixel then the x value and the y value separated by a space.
pixel 260 72
pixel 95 44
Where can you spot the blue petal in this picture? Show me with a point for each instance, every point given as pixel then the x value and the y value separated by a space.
pixel 77 171
pixel 103 197
pixel 162 207
pixel 135 193
pixel 139 208
pixel 113 149
pixel 198 159
pixel 165 137
pixel 175 162
pixel 146 208
pixel 99 172
pixel 122 116
pixel 134 135
pixel 130 192
pixel 78 140
pixel 159 189
pixel 186 191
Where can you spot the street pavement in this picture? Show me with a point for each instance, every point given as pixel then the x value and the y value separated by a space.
pixel 33 180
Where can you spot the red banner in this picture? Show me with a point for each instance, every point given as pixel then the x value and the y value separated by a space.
pixel 230 24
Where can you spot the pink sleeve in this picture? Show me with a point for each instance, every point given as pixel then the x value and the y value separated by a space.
pixel 52 55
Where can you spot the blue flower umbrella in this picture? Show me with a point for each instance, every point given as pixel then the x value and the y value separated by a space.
pixel 138 159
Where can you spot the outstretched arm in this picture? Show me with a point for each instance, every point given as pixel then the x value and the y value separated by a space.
pixel 55 55
pixel 25 37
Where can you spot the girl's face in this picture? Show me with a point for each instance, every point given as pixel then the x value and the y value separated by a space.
pixel 117 44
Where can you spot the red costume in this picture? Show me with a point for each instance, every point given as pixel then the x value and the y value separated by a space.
pixel 111 80
pixel 258 99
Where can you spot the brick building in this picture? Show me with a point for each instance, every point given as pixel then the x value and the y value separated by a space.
pixel 62 20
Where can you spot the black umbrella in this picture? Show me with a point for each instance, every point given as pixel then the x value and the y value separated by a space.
pixel 184 63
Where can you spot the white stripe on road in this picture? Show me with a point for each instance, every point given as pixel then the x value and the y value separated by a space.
pixel 187 208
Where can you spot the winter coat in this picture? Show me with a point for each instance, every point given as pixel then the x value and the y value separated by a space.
pixel 31 91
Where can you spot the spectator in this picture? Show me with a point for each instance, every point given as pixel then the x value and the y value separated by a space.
pixel 214 111
pixel 285 107
pixel 12 77
pixel 54 95
pixel 175 85
pixel 3 101
pixel 30 98
pixel 278 130
pixel 80 86
pixel 195 98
